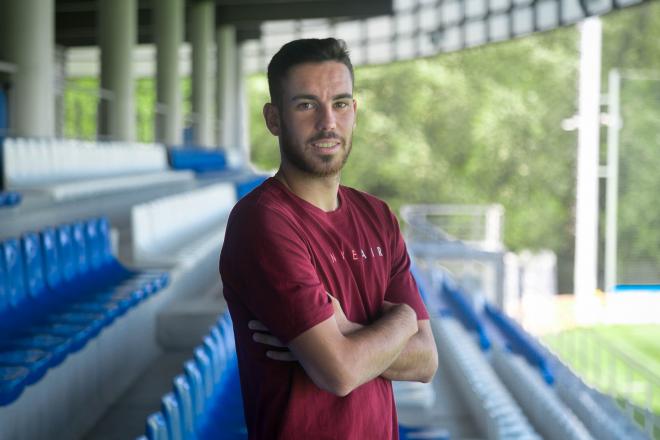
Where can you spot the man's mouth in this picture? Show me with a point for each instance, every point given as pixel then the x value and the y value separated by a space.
pixel 326 144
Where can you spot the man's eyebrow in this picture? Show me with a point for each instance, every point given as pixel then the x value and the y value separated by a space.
pixel 315 98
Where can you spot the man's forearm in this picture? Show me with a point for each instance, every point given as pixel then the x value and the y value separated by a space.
pixel 346 361
pixel 379 345
pixel 417 362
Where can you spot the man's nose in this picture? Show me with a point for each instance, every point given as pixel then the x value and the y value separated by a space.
pixel 326 119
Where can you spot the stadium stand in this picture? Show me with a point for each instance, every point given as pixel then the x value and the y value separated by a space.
pixel 60 291
pixel 496 412
pixel 70 169
pixel 183 228
pixel 538 401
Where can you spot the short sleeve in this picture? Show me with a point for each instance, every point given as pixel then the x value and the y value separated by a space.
pixel 402 287
pixel 268 267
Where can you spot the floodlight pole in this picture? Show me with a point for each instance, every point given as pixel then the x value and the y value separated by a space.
pixel 613 129
pixel 586 203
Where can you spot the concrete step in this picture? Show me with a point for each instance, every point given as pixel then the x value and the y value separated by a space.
pixel 184 322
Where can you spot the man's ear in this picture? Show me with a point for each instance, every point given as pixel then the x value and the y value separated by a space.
pixel 272 118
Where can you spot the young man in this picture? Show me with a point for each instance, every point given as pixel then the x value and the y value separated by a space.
pixel 316 275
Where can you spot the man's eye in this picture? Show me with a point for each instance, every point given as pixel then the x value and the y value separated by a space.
pixel 305 106
pixel 341 104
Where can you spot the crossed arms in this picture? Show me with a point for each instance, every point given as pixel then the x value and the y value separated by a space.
pixel 340 355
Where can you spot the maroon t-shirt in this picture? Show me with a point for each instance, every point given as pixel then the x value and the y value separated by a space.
pixel 280 255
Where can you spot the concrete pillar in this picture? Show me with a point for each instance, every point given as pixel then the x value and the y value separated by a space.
pixel 168 32
pixel 202 23
pixel 586 204
pixel 243 126
pixel 28 42
pixel 227 95
pixel 117 36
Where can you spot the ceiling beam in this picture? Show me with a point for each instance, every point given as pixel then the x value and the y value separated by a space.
pixel 297 10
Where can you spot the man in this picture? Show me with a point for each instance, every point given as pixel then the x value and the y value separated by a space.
pixel 316 275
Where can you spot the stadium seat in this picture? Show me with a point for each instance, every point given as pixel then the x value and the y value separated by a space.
pixel 9 199
pixel 196 387
pixel 183 395
pixel 35 361
pixel 206 371
pixel 12 382
pixel 520 342
pixel 172 413
pixel 157 427
pixel 14 273
pixel 197 159
pixel 58 290
pixel 465 312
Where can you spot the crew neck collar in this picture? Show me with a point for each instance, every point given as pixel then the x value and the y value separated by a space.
pixel 307 205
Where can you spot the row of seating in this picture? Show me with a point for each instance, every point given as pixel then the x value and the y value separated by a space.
pixel 599 413
pixel 58 289
pixel 520 341
pixel 493 408
pixel 467 314
pixel 183 410
pixel 169 227
pixel 199 160
pixel 538 400
pixel 29 162
pixel 580 414
pixel 9 198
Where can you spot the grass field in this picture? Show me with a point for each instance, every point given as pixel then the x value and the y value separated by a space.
pixel 620 360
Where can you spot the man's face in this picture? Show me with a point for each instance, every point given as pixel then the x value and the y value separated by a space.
pixel 316 119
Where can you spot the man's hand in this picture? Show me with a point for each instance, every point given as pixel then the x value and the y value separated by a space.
pixel 264 336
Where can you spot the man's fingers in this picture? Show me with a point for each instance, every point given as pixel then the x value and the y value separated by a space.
pixel 257 325
pixel 281 356
pixel 267 339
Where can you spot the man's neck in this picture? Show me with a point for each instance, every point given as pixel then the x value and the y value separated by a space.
pixel 319 191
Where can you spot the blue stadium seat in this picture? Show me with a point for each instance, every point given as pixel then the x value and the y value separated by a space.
pixel 15 280
pixel 35 361
pixel 33 263
pixel 196 387
pixel 59 347
pixel 206 369
pixel 9 199
pixel 201 392
pixel 217 337
pixel 12 382
pixel 156 427
pixel 465 312
pixel 213 352
pixel 520 342
pixel 197 159
pixel 172 413
pixel 38 292
pixel 58 290
pixel 244 186
pixel 4 299
pixel 183 394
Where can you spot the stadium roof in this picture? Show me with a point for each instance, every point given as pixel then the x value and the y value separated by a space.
pixel 76 21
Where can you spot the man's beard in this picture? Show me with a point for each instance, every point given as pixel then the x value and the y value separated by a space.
pixel 329 165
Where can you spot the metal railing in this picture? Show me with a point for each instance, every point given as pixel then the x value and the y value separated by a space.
pixel 612 371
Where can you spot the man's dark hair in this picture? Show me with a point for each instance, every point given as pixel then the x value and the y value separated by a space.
pixel 311 50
